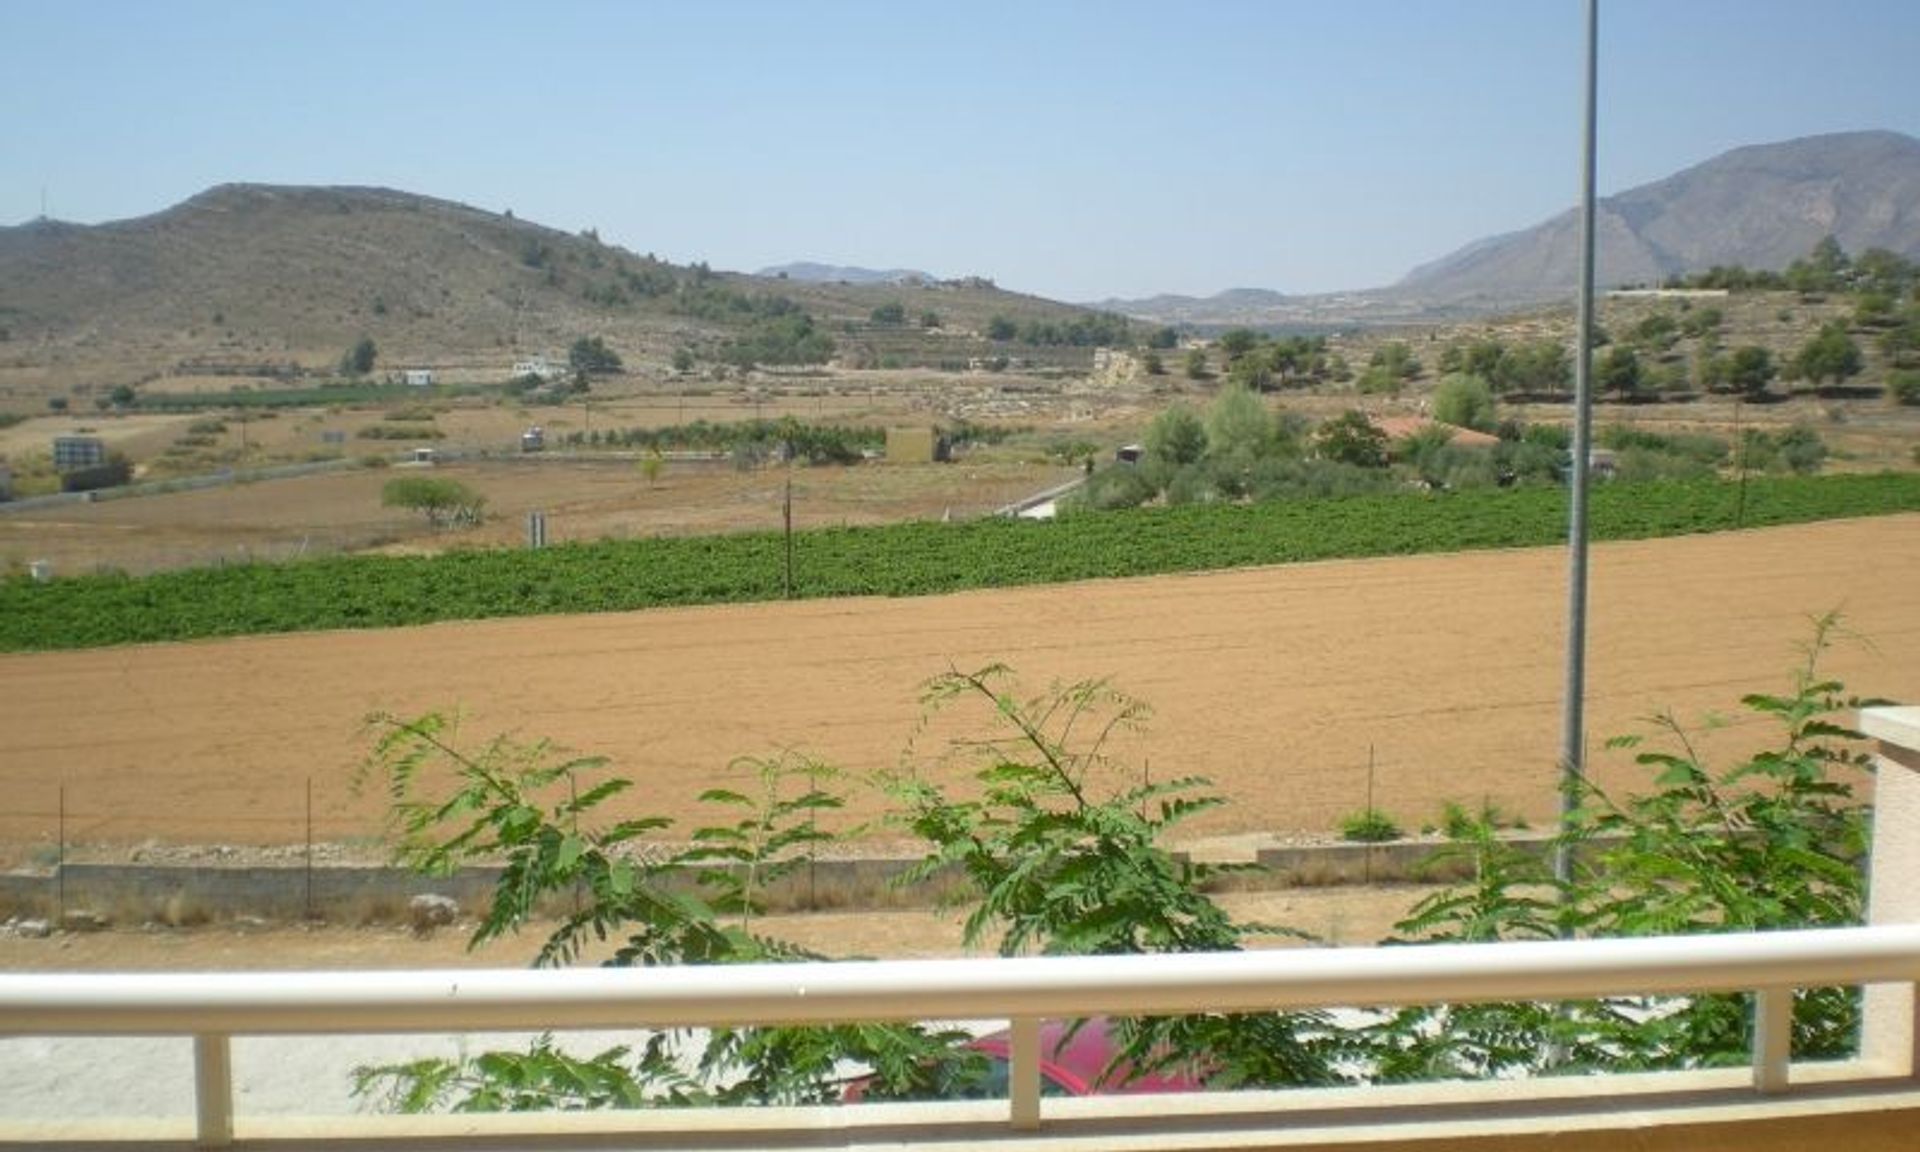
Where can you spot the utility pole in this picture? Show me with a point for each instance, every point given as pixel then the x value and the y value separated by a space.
pixel 1573 732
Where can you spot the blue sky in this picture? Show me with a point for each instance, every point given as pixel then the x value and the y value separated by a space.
pixel 1075 150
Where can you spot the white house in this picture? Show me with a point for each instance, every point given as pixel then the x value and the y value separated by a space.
pixel 418 377
pixel 538 366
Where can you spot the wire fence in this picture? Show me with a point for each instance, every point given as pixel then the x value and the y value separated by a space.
pixel 200 813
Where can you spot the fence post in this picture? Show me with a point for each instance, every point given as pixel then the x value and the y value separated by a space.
pixel 213 1090
pixel 309 857
pixel 60 864
pixel 1888 1033
pixel 1023 1073
pixel 1772 1039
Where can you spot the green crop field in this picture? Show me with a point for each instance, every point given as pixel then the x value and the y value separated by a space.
pixel 896 560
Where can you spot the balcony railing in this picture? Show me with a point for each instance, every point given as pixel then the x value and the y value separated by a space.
pixel 212 1008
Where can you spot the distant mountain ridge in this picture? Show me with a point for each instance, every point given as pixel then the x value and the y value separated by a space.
pixel 811 273
pixel 1761 206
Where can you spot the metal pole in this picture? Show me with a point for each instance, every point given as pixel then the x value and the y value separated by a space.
pixel 60 864
pixel 1740 451
pixel 309 912
pixel 1368 868
pixel 786 516
pixel 1573 729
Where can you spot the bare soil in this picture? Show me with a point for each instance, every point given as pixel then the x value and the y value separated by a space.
pixel 1300 691
pixel 1329 916
pixel 583 499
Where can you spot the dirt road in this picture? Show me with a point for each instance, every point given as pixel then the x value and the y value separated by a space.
pixel 1444 673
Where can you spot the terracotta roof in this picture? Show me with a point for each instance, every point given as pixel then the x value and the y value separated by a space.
pixel 1401 427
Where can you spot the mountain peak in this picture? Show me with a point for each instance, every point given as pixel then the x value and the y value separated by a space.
pixel 1760 206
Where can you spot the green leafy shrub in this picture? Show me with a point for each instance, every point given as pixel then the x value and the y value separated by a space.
pixel 534 809
pixel 1776 840
pixel 1371 826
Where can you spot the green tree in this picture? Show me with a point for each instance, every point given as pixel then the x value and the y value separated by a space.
pixel 1878 270
pixel 1874 310
pixel 1177 436
pixel 1749 369
pixel 122 396
pixel 1197 368
pixel 358 360
pixel 1237 342
pixel 1152 364
pixel 1351 438
pixel 1002 328
pixel 1699 322
pixel 1831 355
pixel 683 360
pixel 1825 269
pixel 1617 370
pixel 590 356
pixel 1904 387
pixel 1798 449
pixel 929 319
pixel 1467 401
pixel 440 499
pixel 1238 426
pixel 1901 342
pixel 1164 339
pixel 1539 366
pixel 891 314
pixel 1655 333
pixel 1396 359
pixel 1389 368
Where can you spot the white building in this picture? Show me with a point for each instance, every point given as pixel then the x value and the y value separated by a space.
pixel 538 366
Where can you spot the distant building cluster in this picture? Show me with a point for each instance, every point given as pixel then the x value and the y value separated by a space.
pixel 72 453
pixel 538 367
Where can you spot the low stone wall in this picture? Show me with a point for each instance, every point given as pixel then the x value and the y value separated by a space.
pixel 136 893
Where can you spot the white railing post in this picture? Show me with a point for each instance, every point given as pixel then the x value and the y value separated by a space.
pixel 1023 1073
pixel 1772 1039
pixel 1888 1033
pixel 213 1090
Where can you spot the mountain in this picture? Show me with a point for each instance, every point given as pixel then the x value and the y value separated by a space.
pixel 253 279
pixel 843 274
pixel 286 273
pixel 1762 207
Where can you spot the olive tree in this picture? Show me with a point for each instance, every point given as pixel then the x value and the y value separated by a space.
pixel 441 500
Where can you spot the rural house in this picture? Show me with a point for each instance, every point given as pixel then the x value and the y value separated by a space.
pixel 72 453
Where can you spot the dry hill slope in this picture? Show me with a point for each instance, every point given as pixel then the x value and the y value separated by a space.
pixel 256 277
pixel 1759 207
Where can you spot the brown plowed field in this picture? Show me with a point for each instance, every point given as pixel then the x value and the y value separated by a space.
pixel 1281 684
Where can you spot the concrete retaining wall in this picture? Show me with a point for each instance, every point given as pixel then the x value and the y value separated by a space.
pixel 136 894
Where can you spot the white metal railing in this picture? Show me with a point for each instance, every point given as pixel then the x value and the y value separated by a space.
pixel 212 1007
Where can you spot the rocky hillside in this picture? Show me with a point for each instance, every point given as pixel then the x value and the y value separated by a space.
pixel 252 278
pixel 1760 207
